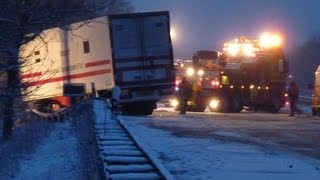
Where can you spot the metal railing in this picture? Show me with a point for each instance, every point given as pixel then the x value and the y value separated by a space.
pixel 305 99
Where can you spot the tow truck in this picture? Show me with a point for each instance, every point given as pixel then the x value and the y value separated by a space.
pixel 249 72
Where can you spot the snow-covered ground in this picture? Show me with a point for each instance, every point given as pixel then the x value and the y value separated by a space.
pixel 45 149
pixel 196 158
pixel 57 157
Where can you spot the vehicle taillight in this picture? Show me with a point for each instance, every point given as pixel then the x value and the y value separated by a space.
pixel 178 81
pixel 215 83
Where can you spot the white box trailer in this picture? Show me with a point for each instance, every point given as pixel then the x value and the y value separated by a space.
pixel 132 51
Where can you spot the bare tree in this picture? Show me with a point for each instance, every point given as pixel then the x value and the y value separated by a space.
pixel 23 20
pixel 304 59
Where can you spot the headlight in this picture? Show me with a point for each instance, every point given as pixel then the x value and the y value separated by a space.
pixel 200 72
pixel 270 40
pixel 190 71
pixel 214 103
pixel 174 102
pixel 233 49
pixel 248 50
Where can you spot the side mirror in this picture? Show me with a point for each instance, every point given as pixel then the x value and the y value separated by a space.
pixel 310 86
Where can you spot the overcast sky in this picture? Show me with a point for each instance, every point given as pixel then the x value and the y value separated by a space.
pixel 206 24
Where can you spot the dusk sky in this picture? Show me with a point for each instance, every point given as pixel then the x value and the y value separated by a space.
pixel 206 24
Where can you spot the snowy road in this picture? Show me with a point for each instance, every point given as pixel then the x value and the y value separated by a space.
pixel 224 146
pixel 300 134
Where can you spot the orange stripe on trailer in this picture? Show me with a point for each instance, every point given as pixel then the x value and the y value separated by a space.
pixel 69 77
pixel 30 75
pixel 97 63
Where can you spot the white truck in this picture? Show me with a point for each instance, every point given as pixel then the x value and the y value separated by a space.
pixel 132 51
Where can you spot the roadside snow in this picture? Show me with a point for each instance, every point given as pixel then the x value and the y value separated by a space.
pixel 55 158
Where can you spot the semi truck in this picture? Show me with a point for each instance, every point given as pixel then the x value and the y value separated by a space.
pixel 248 72
pixel 131 51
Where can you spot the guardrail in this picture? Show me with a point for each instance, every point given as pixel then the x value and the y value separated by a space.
pixel 305 99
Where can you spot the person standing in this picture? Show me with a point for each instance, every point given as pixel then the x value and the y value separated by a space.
pixel 116 91
pixel 184 94
pixel 293 93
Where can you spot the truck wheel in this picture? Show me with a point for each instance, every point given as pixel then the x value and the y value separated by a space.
pixel 148 110
pixel 141 108
pixel 145 108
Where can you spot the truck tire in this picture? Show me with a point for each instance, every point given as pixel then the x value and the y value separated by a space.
pixel 139 108
pixel 148 110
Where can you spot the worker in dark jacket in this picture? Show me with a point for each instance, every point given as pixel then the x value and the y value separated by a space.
pixel 293 93
pixel 184 94
pixel 116 91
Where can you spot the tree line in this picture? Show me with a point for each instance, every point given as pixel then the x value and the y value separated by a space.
pixel 304 60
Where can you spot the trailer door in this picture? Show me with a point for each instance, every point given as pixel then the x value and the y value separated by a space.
pixel 142 51
pixel 128 66
pixel 157 52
